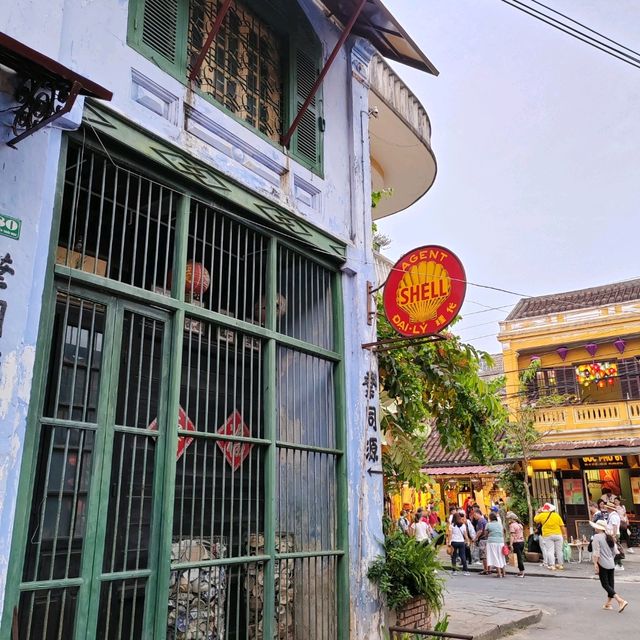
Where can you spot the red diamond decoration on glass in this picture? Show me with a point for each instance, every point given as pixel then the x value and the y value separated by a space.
pixel 235 452
pixel 184 424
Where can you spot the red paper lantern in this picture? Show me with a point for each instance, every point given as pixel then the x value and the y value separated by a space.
pixel 196 279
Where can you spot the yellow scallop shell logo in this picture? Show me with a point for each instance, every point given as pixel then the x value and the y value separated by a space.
pixel 423 289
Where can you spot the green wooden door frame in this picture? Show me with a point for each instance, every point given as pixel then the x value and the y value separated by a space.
pixel 119 298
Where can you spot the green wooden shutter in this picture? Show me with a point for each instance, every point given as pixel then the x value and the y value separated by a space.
pixel 306 60
pixel 158 29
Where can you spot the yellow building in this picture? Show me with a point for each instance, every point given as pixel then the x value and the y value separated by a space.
pixel 586 394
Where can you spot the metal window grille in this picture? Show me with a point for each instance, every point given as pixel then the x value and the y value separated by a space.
pixel 221 521
pixel 243 68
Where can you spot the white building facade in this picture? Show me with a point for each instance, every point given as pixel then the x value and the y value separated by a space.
pixel 188 428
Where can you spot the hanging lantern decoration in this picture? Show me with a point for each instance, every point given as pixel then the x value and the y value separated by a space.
pixel 591 348
pixel 598 372
pixel 562 352
pixel 620 344
pixel 196 279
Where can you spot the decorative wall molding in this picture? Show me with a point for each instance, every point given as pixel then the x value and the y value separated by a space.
pixel 234 147
pixel 154 97
pixel 307 196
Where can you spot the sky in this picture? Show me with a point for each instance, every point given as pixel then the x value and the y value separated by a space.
pixel 537 140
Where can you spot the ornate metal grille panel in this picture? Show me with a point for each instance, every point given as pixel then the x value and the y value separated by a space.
pixel 243 68
pixel 237 530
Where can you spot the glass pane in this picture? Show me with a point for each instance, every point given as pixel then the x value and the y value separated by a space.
pixel 306 508
pixel 48 614
pixel 141 367
pixel 215 602
pixel 130 503
pixel 221 388
pixel 306 407
pixel 121 609
pixel 226 265
pixel 243 68
pixel 307 607
pixel 115 223
pixel 76 360
pixel 304 305
pixel 218 497
pixel 59 506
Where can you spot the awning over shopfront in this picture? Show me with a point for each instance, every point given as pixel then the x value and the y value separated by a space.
pixel 475 470
pixel 579 448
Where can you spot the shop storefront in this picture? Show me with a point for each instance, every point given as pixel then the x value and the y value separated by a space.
pixel 576 483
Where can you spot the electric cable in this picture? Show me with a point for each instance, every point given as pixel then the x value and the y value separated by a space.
pixel 560 26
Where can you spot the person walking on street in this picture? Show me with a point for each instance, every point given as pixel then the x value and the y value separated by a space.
pixel 516 537
pixel 458 538
pixel 604 552
pixel 480 525
pixel 624 524
pixel 614 523
pixel 554 534
pixel 403 522
pixel 420 529
pixel 495 544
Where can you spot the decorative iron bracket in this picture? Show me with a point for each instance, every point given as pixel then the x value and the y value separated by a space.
pixel 41 102
pixel 400 342
pixel 46 89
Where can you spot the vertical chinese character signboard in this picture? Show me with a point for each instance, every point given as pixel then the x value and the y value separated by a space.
pixel 372 448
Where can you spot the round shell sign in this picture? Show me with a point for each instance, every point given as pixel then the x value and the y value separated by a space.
pixel 425 290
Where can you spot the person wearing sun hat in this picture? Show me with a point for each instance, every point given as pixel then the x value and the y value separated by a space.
pixel 554 533
pixel 604 551
pixel 516 538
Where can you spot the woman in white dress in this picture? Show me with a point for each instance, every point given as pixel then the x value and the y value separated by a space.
pixel 495 544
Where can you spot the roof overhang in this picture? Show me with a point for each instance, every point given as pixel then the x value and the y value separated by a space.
pixel 378 25
pixel 46 89
pixel 472 470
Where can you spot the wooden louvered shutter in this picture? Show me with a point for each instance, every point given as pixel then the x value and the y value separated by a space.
pixel 566 381
pixel 159 32
pixel 629 375
pixel 305 63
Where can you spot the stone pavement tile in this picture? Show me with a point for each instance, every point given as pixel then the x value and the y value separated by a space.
pixel 488 618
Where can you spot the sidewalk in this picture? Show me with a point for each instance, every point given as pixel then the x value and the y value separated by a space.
pixel 580 570
pixel 488 618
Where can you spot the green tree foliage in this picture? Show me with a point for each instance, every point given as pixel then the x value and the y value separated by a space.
pixel 435 385
pixel 521 435
pixel 513 482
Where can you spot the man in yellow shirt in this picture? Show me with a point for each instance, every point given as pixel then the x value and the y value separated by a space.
pixel 554 533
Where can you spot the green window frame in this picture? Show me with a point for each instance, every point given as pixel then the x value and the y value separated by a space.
pixel 293 349
pixel 159 30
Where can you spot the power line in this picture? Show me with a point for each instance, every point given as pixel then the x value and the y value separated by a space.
pixel 578 35
pixel 584 26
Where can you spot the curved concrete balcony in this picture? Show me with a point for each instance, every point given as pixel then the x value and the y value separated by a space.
pixel 400 141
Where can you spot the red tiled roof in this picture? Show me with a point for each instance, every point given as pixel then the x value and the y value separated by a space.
pixel 436 455
pixel 462 471
pixel 580 299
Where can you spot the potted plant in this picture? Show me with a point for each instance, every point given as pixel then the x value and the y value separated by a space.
pixel 407 574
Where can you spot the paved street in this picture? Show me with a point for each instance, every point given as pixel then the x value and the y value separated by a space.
pixel 571 607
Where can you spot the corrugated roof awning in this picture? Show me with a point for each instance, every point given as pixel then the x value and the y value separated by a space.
pixel 463 471
pixel 378 25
